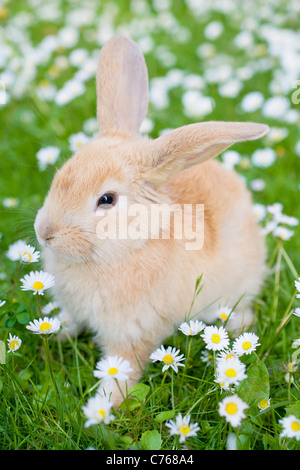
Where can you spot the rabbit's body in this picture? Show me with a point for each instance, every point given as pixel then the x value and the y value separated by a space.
pixel 132 293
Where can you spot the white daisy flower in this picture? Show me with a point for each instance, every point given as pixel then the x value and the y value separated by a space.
pixel 297 285
pixel 2 302
pixel 276 107
pixel 183 427
pixel 252 101
pixel 296 342
pixel 37 281
pixel 291 427
pixel 226 354
pixel 98 410
pixel 29 255
pixel 263 158
pixel 283 233
pixel 47 156
pixel 230 158
pixel 15 250
pixel 224 313
pixel 257 184
pixel 231 371
pixel 169 357
pixel 232 408
pixel 49 307
pixel 112 368
pixel 77 141
pixel 259 211
pixel 20 251
pixel 215 338
pixel 223 385
pixel 192 328
pixel 10 202
pixel 297 311
pixel 264 404
pixel 44 326
pixel 245 343
pixel 14 343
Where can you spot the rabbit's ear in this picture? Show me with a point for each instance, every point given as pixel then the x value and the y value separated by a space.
pixel 187 146
pixel 122 87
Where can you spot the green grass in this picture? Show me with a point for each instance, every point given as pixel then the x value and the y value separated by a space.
pixel 32 414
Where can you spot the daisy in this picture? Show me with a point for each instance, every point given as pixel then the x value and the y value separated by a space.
pixel 192 328
pixel 245 343
pixel 44 326
pixel 182 427
pixel 10 202
pixel 112 368
pixel 232 408
pixel 15 250
pixel 47 156
pixel 224 313
pixel 296 312
pixel 13 343
pixel 297 285
pixel 263 158
pixel 291 427
pixel 252 101
pixel 29 255
pixel 296 342
pixel 226 354
pixel 37 281
pixel 77 141
pixel 50 307
pixel 259 211
pixel 98 410
pixel 215 338
pixel 20 251
pixel 169 357
pixel 231 371
pixel 263 404
pixel 283 233
pixel 2 302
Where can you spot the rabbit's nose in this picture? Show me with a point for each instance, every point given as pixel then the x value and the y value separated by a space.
pixel 45 231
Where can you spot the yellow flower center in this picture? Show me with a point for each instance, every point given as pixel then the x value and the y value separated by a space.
pixel 191 331
pixel 113 371
pixel 295 426
pixel 230 373
pixel 230 356
pixel 27 257
pixel 184 430
pixel 13 344
pixel 246 345
pixel 215 338
pixel 263 403
pixel 168 359
pixel 102 413
pixel 223 316
pixel 45 326
pixel 38 285
pixel 231 408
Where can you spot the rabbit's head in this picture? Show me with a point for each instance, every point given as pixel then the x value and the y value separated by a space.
pixel 93 197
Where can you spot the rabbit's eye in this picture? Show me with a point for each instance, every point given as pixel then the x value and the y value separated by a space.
pixel 108 200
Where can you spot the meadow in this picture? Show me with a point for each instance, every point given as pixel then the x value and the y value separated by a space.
pixel 222 60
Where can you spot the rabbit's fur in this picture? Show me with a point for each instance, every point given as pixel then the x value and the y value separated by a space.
pixel 132 293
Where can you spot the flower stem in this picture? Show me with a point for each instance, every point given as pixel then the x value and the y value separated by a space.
pixel 16 280
pixel 48 362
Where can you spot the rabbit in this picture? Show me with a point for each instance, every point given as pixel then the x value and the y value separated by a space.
pixel 132 292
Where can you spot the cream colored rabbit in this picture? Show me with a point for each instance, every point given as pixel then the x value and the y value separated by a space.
pixel 133 291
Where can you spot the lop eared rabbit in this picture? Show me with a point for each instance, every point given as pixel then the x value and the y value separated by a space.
pixel 132 292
